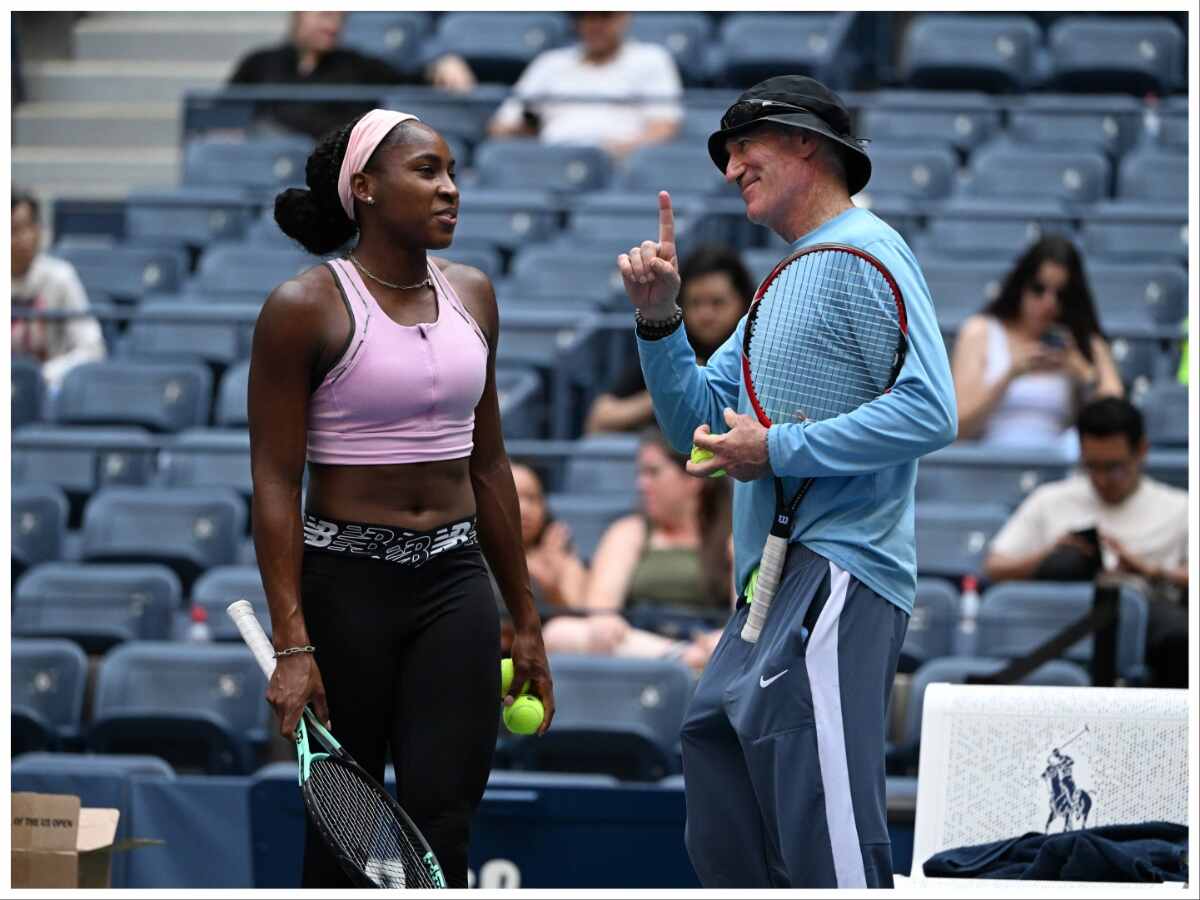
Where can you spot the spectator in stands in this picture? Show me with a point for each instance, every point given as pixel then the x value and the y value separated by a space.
pixel 606 91
pixel 41 282
pixel 558 576
pixel 1024 365
pixel 311 56
pixel 715 293
pixel 1141 528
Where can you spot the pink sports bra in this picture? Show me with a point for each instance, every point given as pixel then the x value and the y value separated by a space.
pixel 400 393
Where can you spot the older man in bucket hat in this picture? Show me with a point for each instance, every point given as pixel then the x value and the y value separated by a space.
pixel 783 745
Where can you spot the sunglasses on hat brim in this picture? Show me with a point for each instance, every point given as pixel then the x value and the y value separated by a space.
pixel 746 111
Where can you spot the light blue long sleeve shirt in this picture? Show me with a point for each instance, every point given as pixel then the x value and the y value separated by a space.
pixel 859 511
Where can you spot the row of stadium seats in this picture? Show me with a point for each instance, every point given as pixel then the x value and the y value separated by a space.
pixel 196 518
pixel 997 53
pixel 1110 148
pixel 200 706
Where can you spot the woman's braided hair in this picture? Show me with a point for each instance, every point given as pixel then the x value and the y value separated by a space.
pixel 314 216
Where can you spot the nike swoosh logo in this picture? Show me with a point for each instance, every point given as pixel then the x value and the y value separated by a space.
pixel 763 682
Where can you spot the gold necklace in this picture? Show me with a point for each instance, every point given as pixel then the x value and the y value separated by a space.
pixel 428 282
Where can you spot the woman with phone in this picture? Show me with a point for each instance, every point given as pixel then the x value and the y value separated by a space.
pixel 1027 361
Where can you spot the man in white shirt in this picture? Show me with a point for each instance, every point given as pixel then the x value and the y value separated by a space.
pixel 606 91
pixel 1141 525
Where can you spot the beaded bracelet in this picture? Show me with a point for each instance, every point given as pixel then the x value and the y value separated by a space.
pixel 653 331
pixel 306 648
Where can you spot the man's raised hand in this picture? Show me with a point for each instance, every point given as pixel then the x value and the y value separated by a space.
pixel 651 271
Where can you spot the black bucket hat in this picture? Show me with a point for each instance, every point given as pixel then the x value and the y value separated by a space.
pixel 797 102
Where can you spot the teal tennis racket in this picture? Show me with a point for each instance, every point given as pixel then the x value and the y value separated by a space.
pixel 374 840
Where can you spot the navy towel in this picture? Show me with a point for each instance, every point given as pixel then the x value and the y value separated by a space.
pixel 1149 851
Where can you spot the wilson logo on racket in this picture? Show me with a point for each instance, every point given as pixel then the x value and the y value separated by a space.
pixel 826 333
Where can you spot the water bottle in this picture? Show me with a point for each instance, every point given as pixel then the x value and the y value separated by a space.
pixel 198 631
pixel 969 605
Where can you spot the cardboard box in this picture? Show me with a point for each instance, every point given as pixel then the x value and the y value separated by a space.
pixel 58 844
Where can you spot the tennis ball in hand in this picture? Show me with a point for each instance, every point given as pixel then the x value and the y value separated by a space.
pixel 525 715
pixel 700 455
pixel 506 677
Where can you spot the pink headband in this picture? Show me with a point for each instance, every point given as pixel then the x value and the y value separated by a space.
pixel 370 130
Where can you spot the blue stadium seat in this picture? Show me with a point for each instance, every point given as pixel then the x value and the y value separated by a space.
pixel 198 706
pixel 1173 130
pixel 616 220
pixel 604 464
pixel 1017 616
pixel 238 269
pixel 921 173
pixel 955 670
pixel 188 529
pixel 1152 176
pixel 522 406
pixel 961 289
pixel 39 525
pixel 1108 123
pixel 220 586
pixel 1136 232
pixel 48 682
pixel 993 53
pixel 972 473
pixel 28 390
pixel 566 271
pixel 566 346
pixel 686 35
pixel 702 113
pixel 80 459
pixel 1165 406
pixel 486 259
pixel 1138 293
pixel 952 538
pixel 588 516
pixel 127 272
pixel 985 229
pixel 159 396
pixel 394 37
pixel 231 397
pixel 188 215
pixel 498 46
pixel 505 219
pixel 182 329
pixel 679 168
pixel 1168 466
pixel 755 46
pixel 520 164
pixel 262 166
pixel 264 231
pixel 966 119
pixel 933 625
pixel 208 457
pixel 1004 170
pixel 97 606
pixel 1128 54
pixel 615 716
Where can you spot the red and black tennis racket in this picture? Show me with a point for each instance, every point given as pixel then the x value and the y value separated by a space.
pixel 826 333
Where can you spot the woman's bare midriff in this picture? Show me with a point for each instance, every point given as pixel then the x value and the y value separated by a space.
pixel 417 496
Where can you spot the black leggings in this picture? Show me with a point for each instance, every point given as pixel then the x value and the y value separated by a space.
pixel 410 661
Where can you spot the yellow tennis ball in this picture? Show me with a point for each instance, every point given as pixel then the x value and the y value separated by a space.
pixel 525 715
pixel 506 677
pixel 506 674
pixel 700 455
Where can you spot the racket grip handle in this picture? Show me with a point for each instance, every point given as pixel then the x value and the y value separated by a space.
pixel 770 568
pixel 251 630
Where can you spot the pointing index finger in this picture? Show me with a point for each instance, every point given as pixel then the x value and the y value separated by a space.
pixel 666 226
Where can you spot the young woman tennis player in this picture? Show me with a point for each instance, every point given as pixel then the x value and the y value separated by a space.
pixel 378 368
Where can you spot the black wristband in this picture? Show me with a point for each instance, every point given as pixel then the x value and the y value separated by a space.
pixel 653 331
